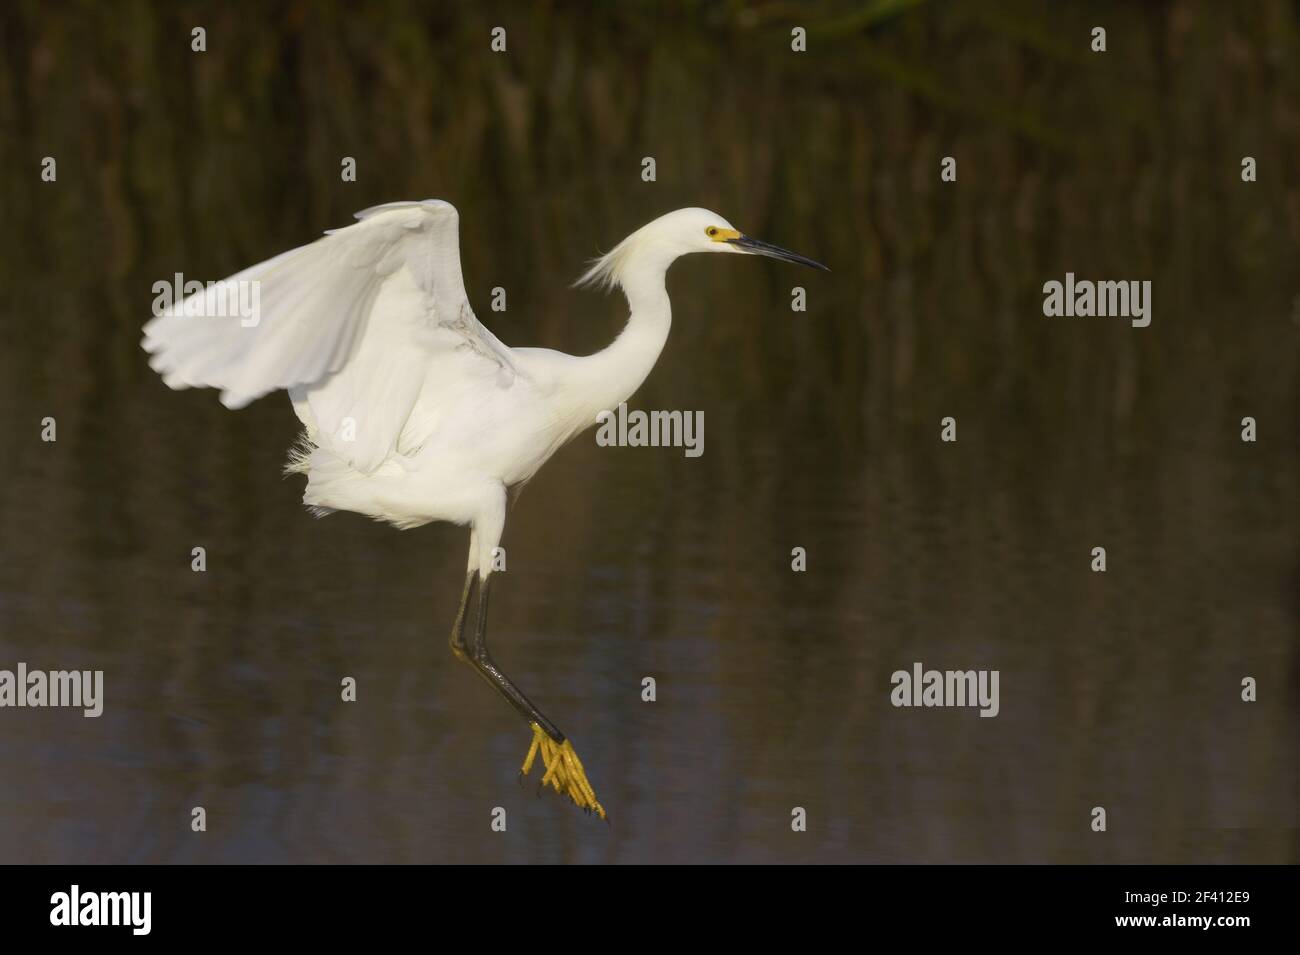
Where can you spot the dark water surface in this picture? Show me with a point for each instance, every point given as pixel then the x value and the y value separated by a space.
pixel 1119 689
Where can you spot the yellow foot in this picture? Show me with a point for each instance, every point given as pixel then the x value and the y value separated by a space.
pixel 564 772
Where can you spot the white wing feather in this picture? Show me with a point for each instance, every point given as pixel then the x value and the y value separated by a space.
pixel 357 326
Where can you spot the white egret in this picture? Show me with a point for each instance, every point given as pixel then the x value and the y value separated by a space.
pixel 413 411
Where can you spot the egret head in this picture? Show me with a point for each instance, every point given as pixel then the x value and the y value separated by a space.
pixel 656 244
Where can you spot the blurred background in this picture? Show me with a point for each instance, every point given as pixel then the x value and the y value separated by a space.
pixel 1119 690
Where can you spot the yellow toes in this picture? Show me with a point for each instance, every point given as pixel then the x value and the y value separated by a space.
pixel 563 771
pixel 532 751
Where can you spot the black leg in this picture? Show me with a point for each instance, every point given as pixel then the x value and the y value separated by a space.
pixel 482 661
pixel 457 640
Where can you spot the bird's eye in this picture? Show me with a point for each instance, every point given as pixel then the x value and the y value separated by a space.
pixel 711 231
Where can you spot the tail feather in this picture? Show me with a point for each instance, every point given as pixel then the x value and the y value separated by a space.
pixel 320 467
pixel 335 485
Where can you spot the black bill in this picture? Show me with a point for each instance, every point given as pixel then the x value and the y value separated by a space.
pixel 774 251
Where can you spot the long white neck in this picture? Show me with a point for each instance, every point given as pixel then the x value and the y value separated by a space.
pixel 612 375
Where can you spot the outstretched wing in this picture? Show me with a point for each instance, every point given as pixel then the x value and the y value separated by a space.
pixel 353 325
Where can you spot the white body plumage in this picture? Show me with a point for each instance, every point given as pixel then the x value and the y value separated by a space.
pixel 414 411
